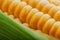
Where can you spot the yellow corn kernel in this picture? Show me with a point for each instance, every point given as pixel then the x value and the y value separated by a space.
pixel 30 15
pixel 24 12
pixel 47 26
pixel 18 8
pixel 35 19
pixel 42 21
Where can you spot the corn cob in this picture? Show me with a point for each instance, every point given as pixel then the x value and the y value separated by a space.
pixel 33 3
pixel 43 23
pixel 56 2
pixel 40 24
pixel 46 7
pixel 16 7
